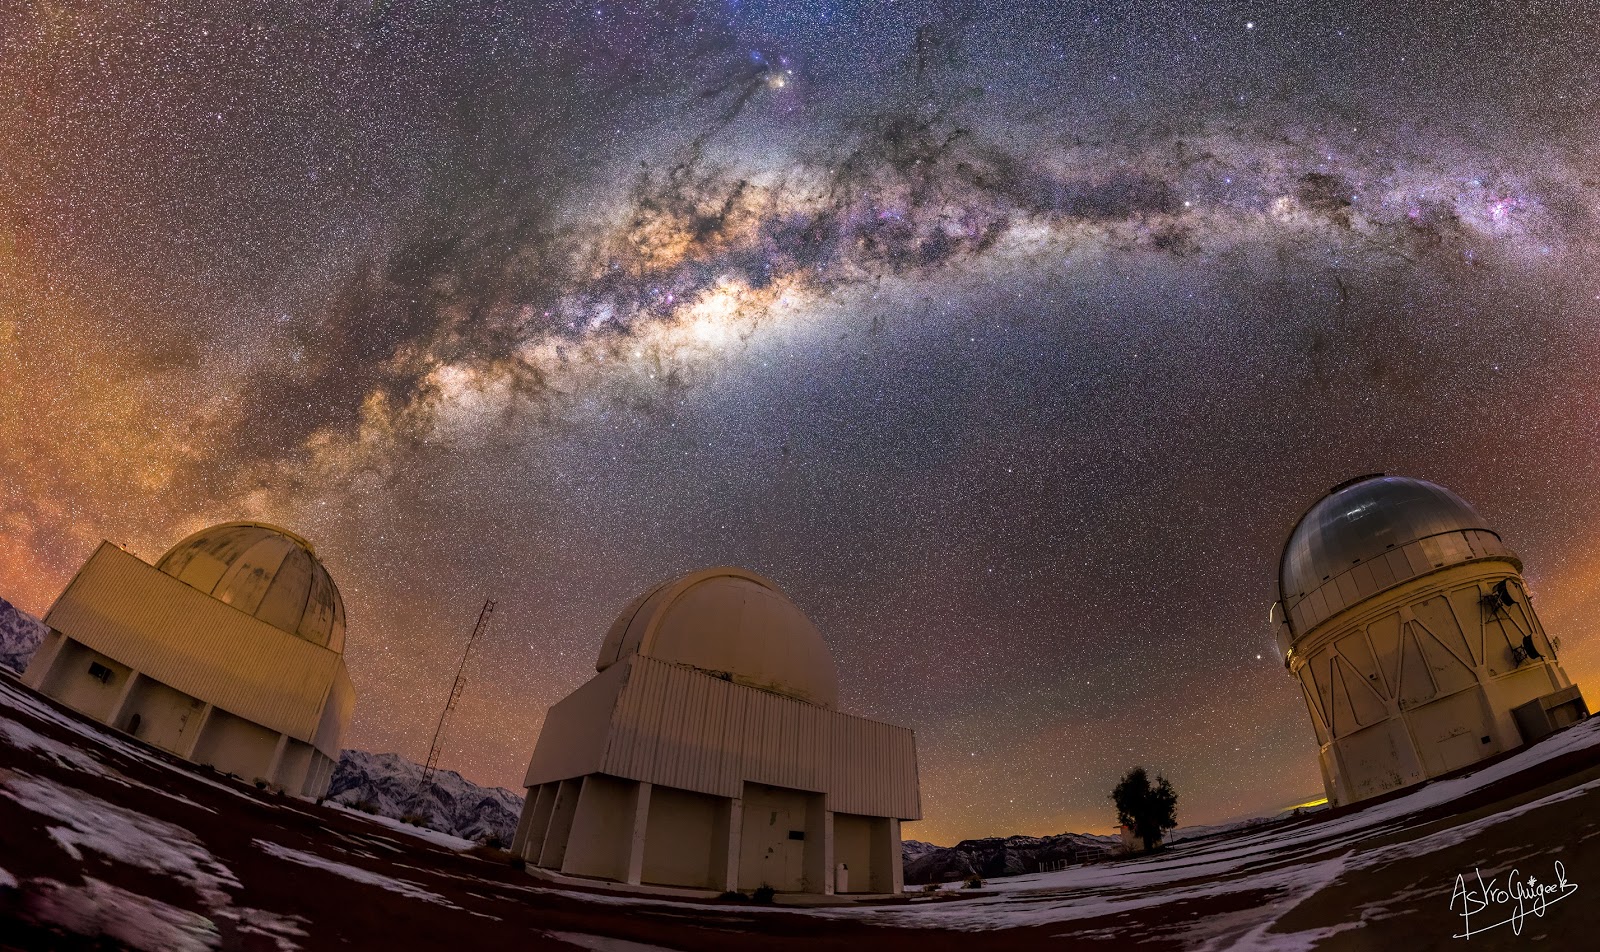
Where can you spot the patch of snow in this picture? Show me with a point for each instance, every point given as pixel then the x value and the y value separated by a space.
pixel 64 839
pixel 1009 910
pixel 97 909
pixel 24 738
pixel 600 943
pixel 90 823
pixel 445 840
pixel 63 755
pixel 1461 833
pixel 370 842
pixel 629 899
pixel 408 889
pixel 282 930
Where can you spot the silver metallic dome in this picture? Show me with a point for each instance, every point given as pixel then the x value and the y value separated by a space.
pixel 263 571
pixel 1362 519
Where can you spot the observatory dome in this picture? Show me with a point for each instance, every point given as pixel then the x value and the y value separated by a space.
pixel 1363 518
pixel 264 571
pixel 731 623
pixel 1371 533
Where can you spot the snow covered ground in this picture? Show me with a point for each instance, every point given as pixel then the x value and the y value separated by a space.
pixel 420 832
pixel 105 843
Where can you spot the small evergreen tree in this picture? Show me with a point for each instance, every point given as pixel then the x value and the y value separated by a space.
pixel 1150 810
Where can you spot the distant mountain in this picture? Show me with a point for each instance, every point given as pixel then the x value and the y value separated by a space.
pixel 997 856
pixel 1015 855
pixel 387 784
pixel 20 635
pixel 911 849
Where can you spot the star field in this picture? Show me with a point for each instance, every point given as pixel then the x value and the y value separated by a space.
pixel 1009 339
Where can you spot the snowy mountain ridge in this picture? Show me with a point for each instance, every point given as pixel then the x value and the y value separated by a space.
pixel 999 856
pixel 386 784
pixel 20 636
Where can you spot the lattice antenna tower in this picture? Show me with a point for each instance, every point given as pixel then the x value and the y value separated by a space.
pixel 478 631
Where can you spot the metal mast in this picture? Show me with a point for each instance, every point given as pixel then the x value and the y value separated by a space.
pixel 478 630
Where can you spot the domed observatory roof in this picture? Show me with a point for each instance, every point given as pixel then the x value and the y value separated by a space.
pixel 264 571
pixel 1372 533
pixel 731 623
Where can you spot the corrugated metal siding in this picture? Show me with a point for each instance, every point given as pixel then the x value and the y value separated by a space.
pixel 336 713
pixel 683 728
pixel 133 612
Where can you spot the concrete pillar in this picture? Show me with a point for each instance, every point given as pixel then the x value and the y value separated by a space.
pixel 896 858
pixel 519 839
pixel 321 774
pixel 818 866
pixel 43 660
pixel 114 718
pixel 314 776
pixel 554 849
pixel 827 852
pixel 538 810
pixel 888 873
pixel 729 826
pixel 276 762
pixel 606 838
pixel 639 825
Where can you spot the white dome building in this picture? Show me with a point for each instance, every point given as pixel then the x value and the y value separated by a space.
pixel 707 753
pixel 1407 624
pixel 228 652
pixel 731 623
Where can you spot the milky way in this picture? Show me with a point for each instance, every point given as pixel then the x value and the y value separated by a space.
pixel 1010 342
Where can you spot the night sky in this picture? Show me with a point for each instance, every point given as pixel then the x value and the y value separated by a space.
pixel 1010 339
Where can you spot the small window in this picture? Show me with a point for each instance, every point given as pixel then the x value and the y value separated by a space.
pixel 797 834
pixel 99 672
pixel 1485 739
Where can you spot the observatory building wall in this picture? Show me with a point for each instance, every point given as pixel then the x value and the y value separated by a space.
pixel 650 720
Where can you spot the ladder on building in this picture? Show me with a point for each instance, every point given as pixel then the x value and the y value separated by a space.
pixel 432 766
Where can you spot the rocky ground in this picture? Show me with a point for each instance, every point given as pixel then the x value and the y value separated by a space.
pixel 107 844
